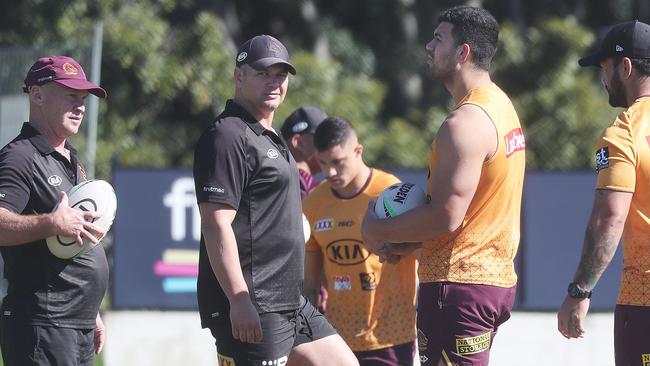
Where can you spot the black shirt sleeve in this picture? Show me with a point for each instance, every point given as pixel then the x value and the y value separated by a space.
pixel 15 180
pixel 220 167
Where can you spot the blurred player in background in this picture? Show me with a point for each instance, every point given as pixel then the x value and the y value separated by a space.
pixel 251 261
pixel 622 201
pixel 470 229
pixel 371 304
pixel 298 132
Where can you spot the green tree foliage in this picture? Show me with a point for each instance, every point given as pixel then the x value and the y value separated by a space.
pixel 168 68
pixel 563 107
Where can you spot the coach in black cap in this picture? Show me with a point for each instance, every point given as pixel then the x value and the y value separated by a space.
pixel 252 244
pixel 264 51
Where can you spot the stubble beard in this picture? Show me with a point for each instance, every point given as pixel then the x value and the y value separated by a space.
pixel 616 92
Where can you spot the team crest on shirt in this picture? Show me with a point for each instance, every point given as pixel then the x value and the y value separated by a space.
pixel 602 158
pixel 368 281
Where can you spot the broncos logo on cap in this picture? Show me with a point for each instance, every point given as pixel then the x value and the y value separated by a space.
pixel 69 69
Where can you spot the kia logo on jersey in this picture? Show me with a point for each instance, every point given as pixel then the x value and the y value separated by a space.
pixel 347 252
pixel 515 141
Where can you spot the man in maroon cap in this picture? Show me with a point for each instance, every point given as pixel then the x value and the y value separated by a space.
pixel 252 249
pixel 50 315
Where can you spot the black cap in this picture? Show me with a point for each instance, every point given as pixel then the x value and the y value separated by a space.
pixel 263 51
pixel 629 39
pixel 303 119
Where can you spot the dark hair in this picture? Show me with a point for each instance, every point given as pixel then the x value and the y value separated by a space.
pixel 331 132
pixel 476 27
pixel 642 65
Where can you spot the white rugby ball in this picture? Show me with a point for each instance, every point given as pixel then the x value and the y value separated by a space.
pixel 399 198
pixel 90 195
pixel 306 228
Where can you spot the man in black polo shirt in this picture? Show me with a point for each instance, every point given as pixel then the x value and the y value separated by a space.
pixel 252 245
pixel 50 313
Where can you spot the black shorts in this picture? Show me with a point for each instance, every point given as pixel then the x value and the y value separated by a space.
pixel 281 332
pixel 24 344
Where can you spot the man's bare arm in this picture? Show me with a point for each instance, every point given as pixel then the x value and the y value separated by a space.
pixel 466 139
pixel 221 247
pixel 602 236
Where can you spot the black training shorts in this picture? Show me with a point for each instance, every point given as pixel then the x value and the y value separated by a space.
pixel 281 332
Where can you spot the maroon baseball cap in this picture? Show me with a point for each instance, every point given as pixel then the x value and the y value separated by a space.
pixel 63 70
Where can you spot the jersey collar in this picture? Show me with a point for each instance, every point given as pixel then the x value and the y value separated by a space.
pixel 235 110
pixel 39 141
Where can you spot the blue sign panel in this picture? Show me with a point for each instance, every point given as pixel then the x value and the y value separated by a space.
pixel 556 210
pixel 157 232
pixel 156 235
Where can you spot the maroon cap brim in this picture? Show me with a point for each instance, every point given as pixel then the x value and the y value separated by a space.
pixel 80 84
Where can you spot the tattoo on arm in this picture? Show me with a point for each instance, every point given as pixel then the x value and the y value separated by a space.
pixel 597 252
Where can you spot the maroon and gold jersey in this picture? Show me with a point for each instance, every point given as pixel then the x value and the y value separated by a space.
pixel 483 248
pixel 623 164
pixel 371 305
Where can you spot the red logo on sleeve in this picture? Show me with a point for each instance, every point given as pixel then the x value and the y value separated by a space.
pixel 515 141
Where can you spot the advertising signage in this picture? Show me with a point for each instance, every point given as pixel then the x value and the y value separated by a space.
pixel 156 240
pixel 158 228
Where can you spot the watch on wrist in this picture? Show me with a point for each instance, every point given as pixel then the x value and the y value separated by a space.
pixel 577 293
